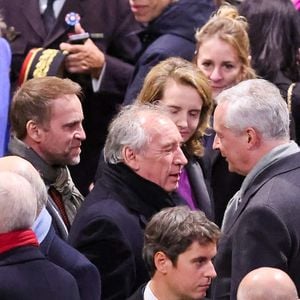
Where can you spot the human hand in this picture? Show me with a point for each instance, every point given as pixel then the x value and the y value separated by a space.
pixel 83 58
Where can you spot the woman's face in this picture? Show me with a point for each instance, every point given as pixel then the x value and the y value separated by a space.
pixel 184 104
pixel 220 63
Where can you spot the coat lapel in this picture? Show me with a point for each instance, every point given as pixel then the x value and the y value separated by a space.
pixel 61 27
pixel 282 166
pixel 31 12
pixel 199 188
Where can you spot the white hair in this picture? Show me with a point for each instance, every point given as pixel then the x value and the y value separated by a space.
pixel 127 130
pixel 17 202
pixel 256 103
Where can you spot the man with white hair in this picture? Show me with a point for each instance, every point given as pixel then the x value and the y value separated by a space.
pixel 51 245
pixel 261 223
pixel 24 272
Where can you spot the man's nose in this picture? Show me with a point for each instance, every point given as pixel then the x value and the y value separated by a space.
pixel 180 158
pixel 216 143
pixel 210 270
pixel 80 134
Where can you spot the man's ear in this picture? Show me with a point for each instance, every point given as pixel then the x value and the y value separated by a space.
pixel 34 131
pixel 253 138
pixel 130 158
pixel 162 262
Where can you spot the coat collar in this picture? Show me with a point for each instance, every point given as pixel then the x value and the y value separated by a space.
pixel 20 255
pixel 47 172
pixel 150 198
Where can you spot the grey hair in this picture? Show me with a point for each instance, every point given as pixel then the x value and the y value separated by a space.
pixel 17 202
pixel 256 103
pixel 127 130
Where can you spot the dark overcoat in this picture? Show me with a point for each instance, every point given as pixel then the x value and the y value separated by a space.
pixel 264 231
pixel 109 227
pixel 25 274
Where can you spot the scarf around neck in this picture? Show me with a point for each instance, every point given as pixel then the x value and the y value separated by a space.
pixel 19 238
pixel 57 176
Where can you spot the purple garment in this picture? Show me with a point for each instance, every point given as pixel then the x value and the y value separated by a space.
pixel 185 190
pixel 296 4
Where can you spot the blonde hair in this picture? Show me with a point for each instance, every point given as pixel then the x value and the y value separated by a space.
pixel 186 73
pixel 229 26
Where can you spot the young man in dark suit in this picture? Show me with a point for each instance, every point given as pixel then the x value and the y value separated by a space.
pixel 179 246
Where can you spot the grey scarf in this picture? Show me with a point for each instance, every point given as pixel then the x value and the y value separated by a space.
pixel 270 158
pixel 56 176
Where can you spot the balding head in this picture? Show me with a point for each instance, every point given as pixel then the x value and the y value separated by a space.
pixel 17 202
pixel 267 284
pixel 24 168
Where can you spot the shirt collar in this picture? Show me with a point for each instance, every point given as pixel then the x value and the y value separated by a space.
pixel 148 294
pixel 42 225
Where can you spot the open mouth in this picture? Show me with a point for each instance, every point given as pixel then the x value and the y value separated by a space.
pixel 136 8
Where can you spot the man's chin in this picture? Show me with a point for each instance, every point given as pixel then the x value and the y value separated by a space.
pixel 74 161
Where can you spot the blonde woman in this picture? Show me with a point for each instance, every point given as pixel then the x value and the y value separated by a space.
pixel 223 54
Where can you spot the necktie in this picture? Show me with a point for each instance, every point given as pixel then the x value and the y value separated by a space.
pixel 57 198
pixel 48 16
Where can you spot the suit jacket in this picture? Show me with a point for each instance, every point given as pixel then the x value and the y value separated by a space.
pixel 224 184
pixel 109 227
pixel 139 293
pixel 264 231
pixel 65 256
pixel 25 274
pixel 114 19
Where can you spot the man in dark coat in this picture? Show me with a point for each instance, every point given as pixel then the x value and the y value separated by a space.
pixel 142 168
pixel 261 223
pixel 113 51
pixel 170 30
pixel 24 272
pixel 55 249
